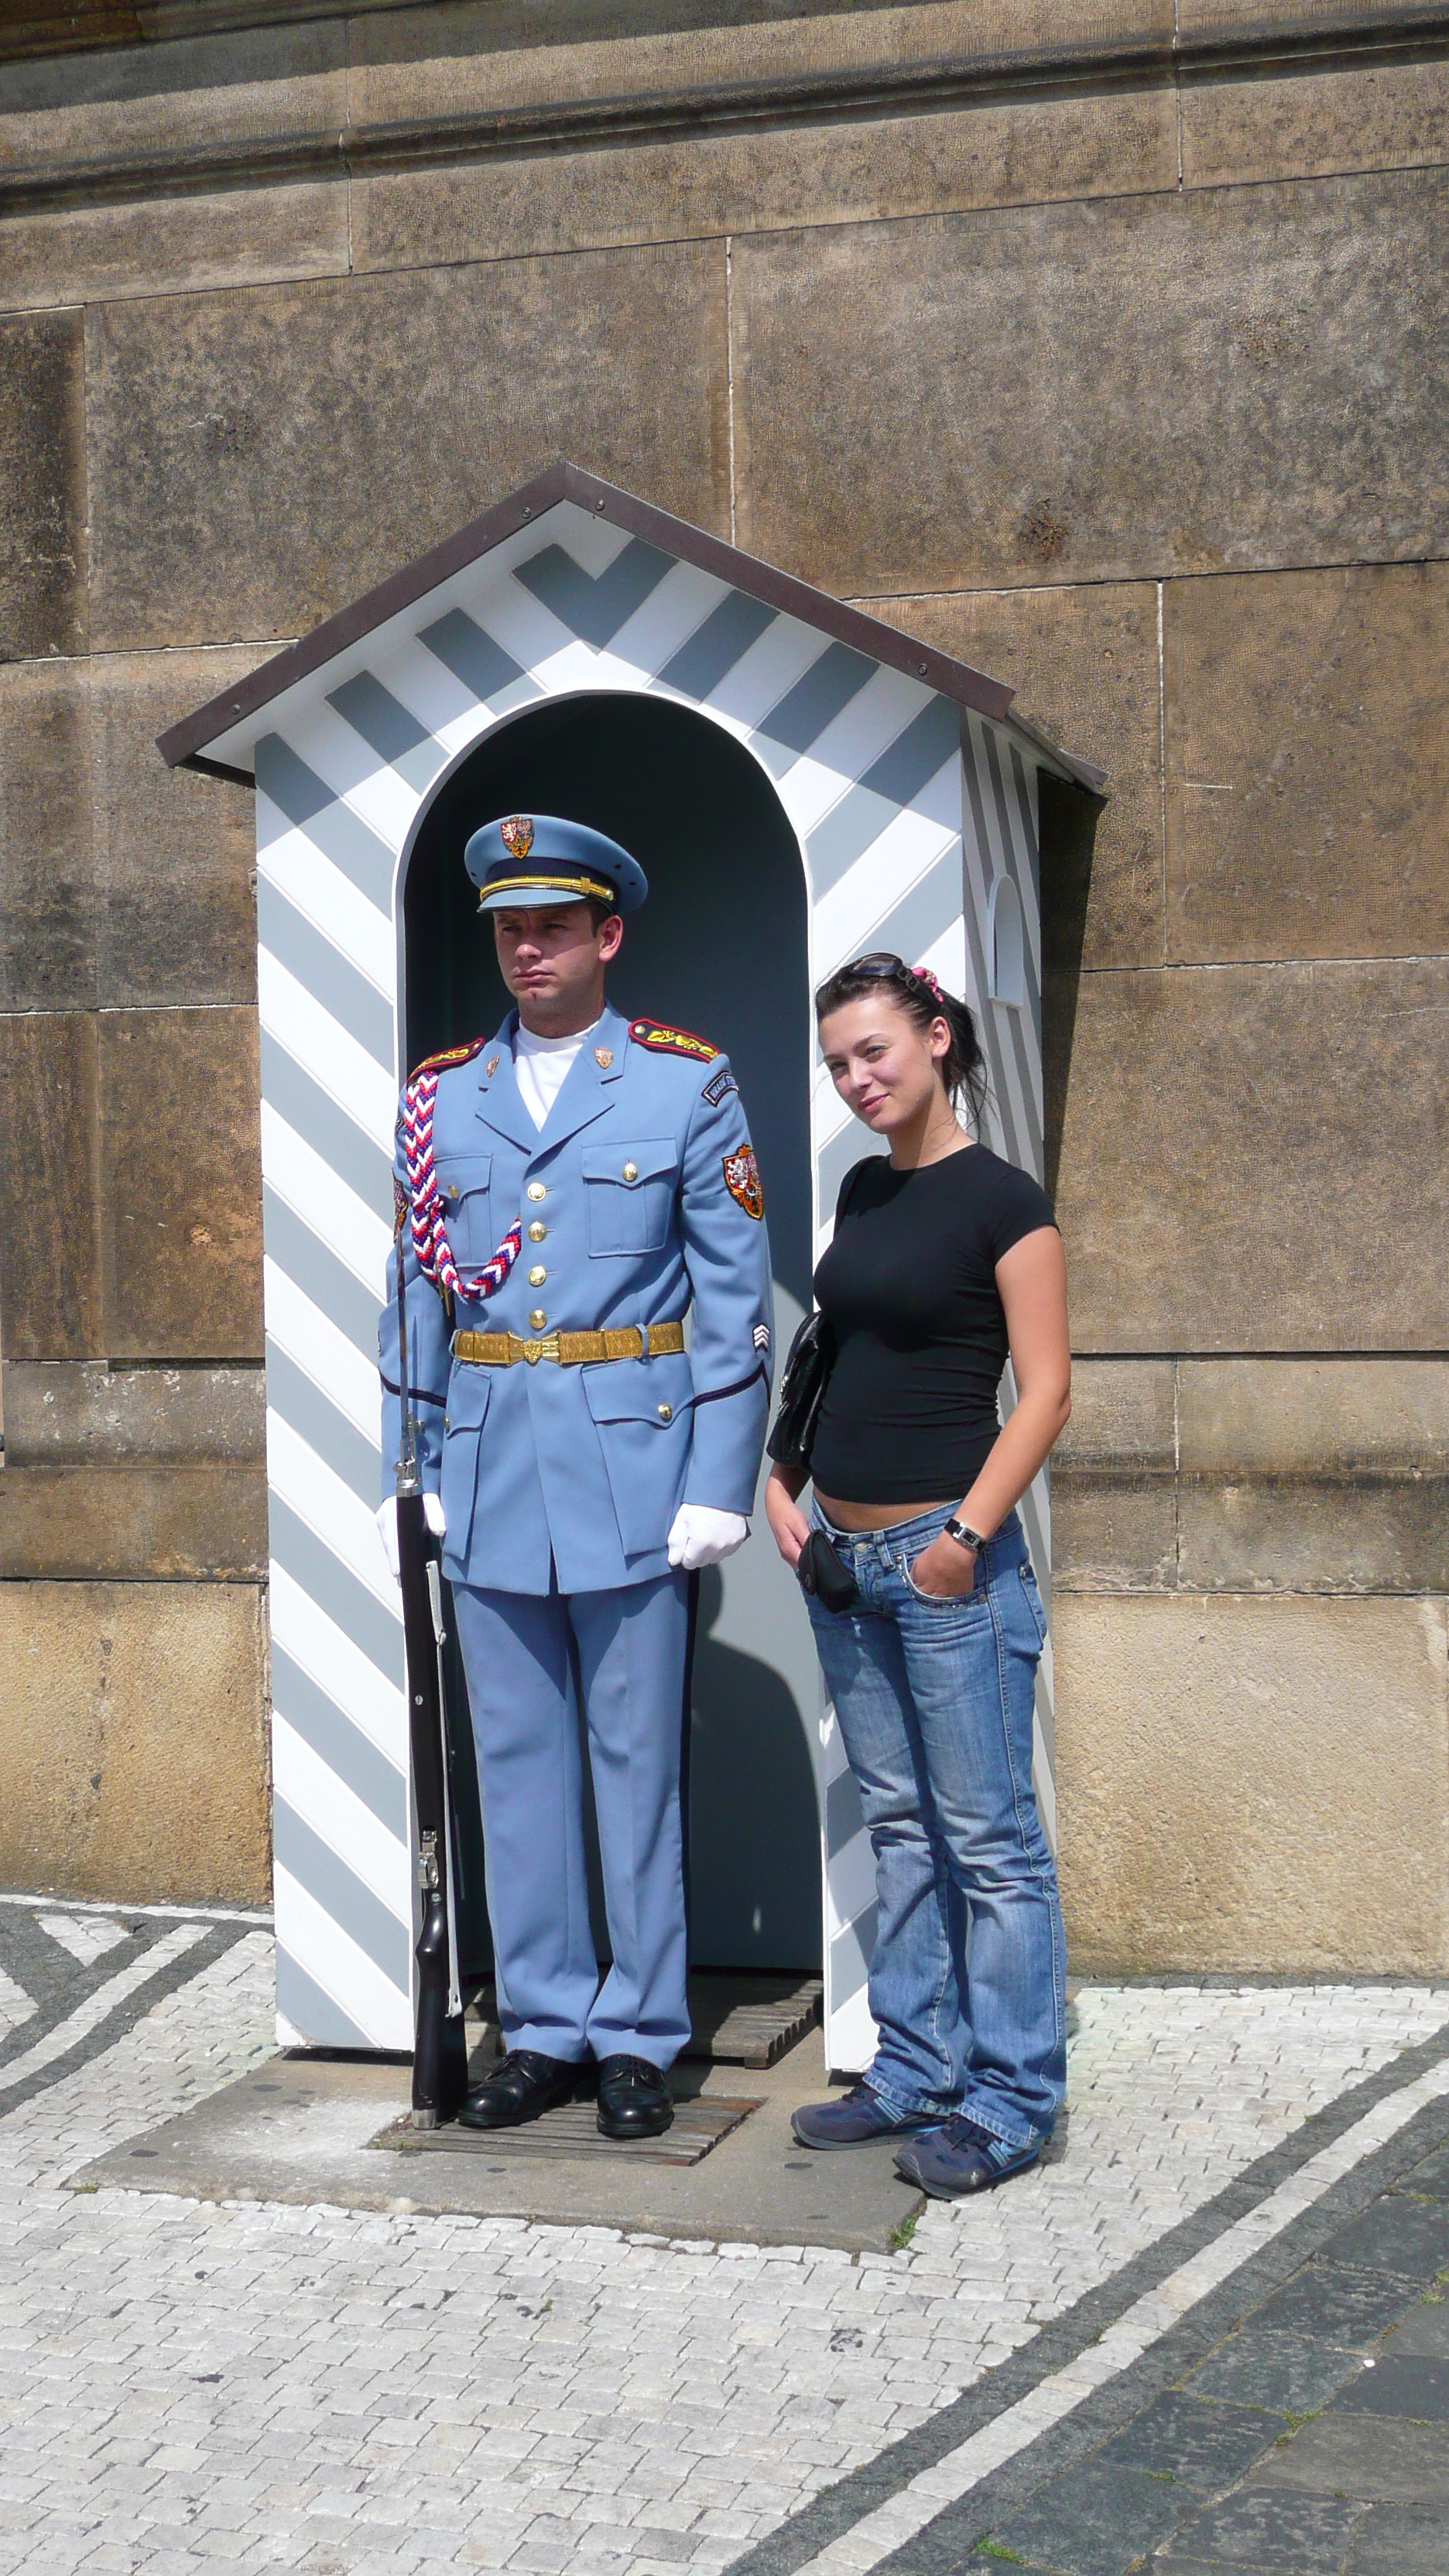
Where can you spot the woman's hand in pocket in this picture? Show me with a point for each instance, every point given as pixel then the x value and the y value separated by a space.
pixel 944 1571
pixel 785 1517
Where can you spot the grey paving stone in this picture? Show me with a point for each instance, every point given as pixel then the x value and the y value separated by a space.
pixel 1410 2237
pixel 190 2384
pixel 1303 2535
pixel 1339 2304
pixel 1432 2176
pixel 1376 2457
pixel 1097 2520
pixel 1193 2441
pixel 1392 2542
pixel 1292 2374
pixel 1414 2385
pixel 1424 2329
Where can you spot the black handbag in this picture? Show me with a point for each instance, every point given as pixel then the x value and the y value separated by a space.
pixel 821 1573
pixel 802 1392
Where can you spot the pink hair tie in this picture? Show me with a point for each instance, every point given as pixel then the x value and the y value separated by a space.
pixel 924 975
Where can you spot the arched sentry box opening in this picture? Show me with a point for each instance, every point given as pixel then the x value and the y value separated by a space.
pixel 721 946
pixel 801 783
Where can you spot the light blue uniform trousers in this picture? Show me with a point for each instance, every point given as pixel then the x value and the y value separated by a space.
pixel 531 1659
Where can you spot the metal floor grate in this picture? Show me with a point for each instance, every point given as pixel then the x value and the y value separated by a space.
pixel 750 2020
pixel 737 2019
pixel 573 2131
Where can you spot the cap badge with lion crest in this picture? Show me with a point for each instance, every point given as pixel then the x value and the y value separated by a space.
pixel 516 834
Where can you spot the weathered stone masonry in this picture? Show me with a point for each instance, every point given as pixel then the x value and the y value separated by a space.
pixel 1106 349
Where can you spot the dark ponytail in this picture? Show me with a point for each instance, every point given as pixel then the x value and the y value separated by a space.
pixel 963 1067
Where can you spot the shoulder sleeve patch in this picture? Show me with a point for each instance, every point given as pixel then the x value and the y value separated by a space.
pixel 742 1180
pixel 663 1040
pixel 440 1062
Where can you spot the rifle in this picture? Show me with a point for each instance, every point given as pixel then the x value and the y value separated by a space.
pixel 440 2052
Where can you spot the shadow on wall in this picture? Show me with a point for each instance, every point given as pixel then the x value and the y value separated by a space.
pixel 751 1799
pixel 1068 822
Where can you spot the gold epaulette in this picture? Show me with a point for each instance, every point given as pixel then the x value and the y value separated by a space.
pixel 440 1062
pixel 663 1040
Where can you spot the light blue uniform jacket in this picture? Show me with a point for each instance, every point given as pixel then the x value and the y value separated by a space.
pixel 587 1466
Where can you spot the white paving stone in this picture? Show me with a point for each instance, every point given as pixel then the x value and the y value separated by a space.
pixel 184 2385
pixel 16 2005
pixel 85 1936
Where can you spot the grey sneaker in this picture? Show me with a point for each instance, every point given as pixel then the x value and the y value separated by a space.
pixel 958 2159
pixel 854 2119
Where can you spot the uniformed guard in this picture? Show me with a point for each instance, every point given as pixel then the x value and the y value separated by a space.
pixel 566 1192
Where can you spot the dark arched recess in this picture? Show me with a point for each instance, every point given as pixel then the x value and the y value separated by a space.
pixel 721 947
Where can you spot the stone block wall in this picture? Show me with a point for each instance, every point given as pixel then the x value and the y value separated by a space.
pixel 1103 347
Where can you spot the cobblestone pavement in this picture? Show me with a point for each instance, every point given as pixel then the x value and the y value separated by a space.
pixel 1292 2421
pixel 183 2383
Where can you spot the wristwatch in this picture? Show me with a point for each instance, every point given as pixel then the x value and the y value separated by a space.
pixel 970 1539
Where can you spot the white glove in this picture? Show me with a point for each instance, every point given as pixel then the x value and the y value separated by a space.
pixel 387 1525
pixel 704 1537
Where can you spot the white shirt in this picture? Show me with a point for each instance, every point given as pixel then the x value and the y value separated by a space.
pixel 541 1065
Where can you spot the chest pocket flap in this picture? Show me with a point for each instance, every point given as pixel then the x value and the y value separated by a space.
pixel 630 1192
pixel 465 1181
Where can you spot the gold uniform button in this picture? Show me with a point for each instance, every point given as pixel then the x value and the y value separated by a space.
pixel 537 1190
pixel 666 1413
pixel 536 1232
pixel 538 1319
pixel 631 1171
pixel 537 1275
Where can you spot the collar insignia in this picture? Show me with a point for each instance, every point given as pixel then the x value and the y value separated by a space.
pixel 603 1058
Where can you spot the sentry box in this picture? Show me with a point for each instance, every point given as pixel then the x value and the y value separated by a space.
pixel 801 783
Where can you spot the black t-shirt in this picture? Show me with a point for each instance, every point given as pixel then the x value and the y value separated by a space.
pixel 909 1288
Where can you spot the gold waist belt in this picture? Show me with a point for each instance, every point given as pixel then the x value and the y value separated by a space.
pixel 571 1350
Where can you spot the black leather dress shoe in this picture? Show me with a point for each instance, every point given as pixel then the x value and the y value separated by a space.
pixel 633 2099
pixel 521 2086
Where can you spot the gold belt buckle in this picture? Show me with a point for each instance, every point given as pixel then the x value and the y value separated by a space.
pixel 533 1352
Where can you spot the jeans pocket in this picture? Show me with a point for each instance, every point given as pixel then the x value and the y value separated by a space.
pixel 1033 1600
pixel 936 1600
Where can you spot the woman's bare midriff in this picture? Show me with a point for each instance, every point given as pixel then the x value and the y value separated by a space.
pixel 877 1516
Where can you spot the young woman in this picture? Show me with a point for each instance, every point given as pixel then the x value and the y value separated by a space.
pixel 944 1259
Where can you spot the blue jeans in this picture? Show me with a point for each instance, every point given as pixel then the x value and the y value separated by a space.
pixel 934 1702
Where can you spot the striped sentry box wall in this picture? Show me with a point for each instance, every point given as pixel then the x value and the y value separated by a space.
pixel 912 794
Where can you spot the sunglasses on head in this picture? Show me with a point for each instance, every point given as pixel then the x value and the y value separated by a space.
pixel 889 969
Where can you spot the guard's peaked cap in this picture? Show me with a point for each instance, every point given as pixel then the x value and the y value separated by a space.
pixel 525 861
